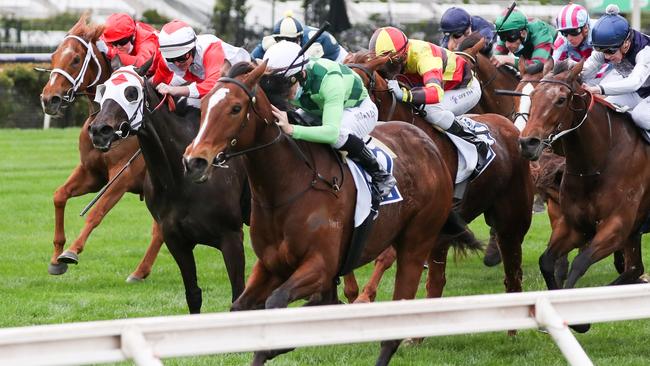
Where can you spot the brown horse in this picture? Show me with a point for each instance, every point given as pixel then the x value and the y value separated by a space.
pixel 503 193
pixel 604 199
pixel 301 221
pixel 78 67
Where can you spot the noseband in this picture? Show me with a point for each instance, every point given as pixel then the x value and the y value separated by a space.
pixel 223 156
pixel 76 82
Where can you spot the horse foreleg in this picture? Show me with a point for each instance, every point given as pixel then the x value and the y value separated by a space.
pixel 258 288
pixel 113 194
pixel 633 268
pixel 232 249
pixel 382 264
pixel 351 288
pixel 144 267
pixel 564 238
pixel 78 183
pixel 184 257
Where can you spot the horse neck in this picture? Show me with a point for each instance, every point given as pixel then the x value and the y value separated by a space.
pixel 277 172
pixel 163 138
pixel 586 149
pixel 494 78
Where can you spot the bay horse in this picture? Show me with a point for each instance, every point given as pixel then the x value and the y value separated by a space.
pixel 77 68
pixel 604 198
pixel 211 214
pixel 502 193
pixel 302 220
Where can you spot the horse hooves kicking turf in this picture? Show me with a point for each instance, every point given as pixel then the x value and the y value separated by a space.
pixel 57 269
pixel 134 279
pixel 68 257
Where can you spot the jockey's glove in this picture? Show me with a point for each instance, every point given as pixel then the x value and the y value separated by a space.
pixel 400 93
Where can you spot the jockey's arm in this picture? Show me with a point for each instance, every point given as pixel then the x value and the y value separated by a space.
pixel 559 49
pixel 146 50
pixel 213 60
pixel 635 80
pixel 429 67
pixel 592 65
pixel 334 102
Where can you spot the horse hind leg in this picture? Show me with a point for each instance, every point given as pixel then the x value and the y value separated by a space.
pixel 382 264
pixel 492 256
pixel 184 257
pixel 633 264
pixel 80 182
pixel 144 267
pixel 351 287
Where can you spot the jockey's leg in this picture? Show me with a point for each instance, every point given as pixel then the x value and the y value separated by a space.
pixel 356 123
pixel 641 114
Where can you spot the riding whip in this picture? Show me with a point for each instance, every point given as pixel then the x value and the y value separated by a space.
pixel 103 190
pixel 510 9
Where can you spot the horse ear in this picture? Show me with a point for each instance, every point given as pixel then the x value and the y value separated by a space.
pixel 548 66
pixel 254 76
pixel 477 47
pixel 576 70
pixel 522 66
pixel 116 63
pixel 142 70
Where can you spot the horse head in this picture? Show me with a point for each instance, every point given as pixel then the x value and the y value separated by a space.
pixel 121 99
pixel 77 65
pixel 555 103
pixel 225 111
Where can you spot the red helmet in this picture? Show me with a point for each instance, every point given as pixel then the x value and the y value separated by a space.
pixel 118 26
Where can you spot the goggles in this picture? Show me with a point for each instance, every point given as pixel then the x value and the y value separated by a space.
pixel 181 58
pixel 607 50
pixel 123 41
pixel 510 36
pixel 455 35
pixel 571 32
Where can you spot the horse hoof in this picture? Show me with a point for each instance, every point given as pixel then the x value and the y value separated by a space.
pixel 57 269
pixel 413 341
pixel 580 328
pixel 492 259
pixel 134 279
pixel 68 257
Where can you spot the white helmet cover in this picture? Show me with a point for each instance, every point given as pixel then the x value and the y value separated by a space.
pixel 176 39
pixel 280 56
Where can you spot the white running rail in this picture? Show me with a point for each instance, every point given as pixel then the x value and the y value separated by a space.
pixel 147 340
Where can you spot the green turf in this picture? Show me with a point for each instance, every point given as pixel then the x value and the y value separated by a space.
pixel 34 163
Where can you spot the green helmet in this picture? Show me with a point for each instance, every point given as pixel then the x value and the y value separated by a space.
pixel 516 20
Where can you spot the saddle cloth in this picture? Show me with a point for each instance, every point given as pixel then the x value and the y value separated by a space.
pixel 362 180
pixel 467 154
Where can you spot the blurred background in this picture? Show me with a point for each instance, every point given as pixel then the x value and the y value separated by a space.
pixel 31 29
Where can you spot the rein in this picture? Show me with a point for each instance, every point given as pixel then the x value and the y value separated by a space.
pixel 76 82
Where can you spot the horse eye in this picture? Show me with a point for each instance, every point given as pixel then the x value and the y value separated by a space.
pixel 76 60
pixel 235 109
pixel 560 100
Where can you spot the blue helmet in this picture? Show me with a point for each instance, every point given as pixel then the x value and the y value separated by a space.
pixel 288 27
pixel 611 29
pixel 455 20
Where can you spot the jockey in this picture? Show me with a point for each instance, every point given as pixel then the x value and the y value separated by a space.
pixel 443 82
pixel 627 51
pixel 333 92
pixel 133 42
pixel 456 24
pixel 290 29
pixel 530 38
pixel 197 61
pixel 574 41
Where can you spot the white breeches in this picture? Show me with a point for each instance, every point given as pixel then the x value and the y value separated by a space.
pixel 454 103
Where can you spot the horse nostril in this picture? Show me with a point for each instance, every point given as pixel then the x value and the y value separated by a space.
pixel 106 130
pixel 195 168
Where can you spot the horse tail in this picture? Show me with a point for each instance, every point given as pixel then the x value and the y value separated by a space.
pixel 459 236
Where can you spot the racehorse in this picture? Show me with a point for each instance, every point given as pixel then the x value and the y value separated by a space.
pixel 77 68
pixel 502 193
pixel 187 213
pixel 303 201
pixel 604 197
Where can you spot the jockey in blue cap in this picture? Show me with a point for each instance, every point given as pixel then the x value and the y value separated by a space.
pixel 456 24
pixel 290 29
pixel 626 49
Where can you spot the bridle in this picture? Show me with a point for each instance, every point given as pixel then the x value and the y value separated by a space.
pixel 76 82
pixel 223 156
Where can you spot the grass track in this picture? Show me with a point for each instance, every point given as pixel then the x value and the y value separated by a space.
pixel 33 163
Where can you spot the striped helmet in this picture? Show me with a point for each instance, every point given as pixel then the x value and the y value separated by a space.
pixel 388 39
pixel 288 27
pixel 572 16
pixel 176 39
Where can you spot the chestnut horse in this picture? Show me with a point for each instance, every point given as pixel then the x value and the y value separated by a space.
pixel 211 214
pixel 604 196
pixel 78 67
pixel 502 193
pixel 302 221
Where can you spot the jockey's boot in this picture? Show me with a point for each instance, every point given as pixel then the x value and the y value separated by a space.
pixel 485 153
pixel 382 181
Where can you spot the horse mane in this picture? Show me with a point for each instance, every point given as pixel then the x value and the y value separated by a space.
pixel 88 31
pixel 470 41
pixel 560 67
